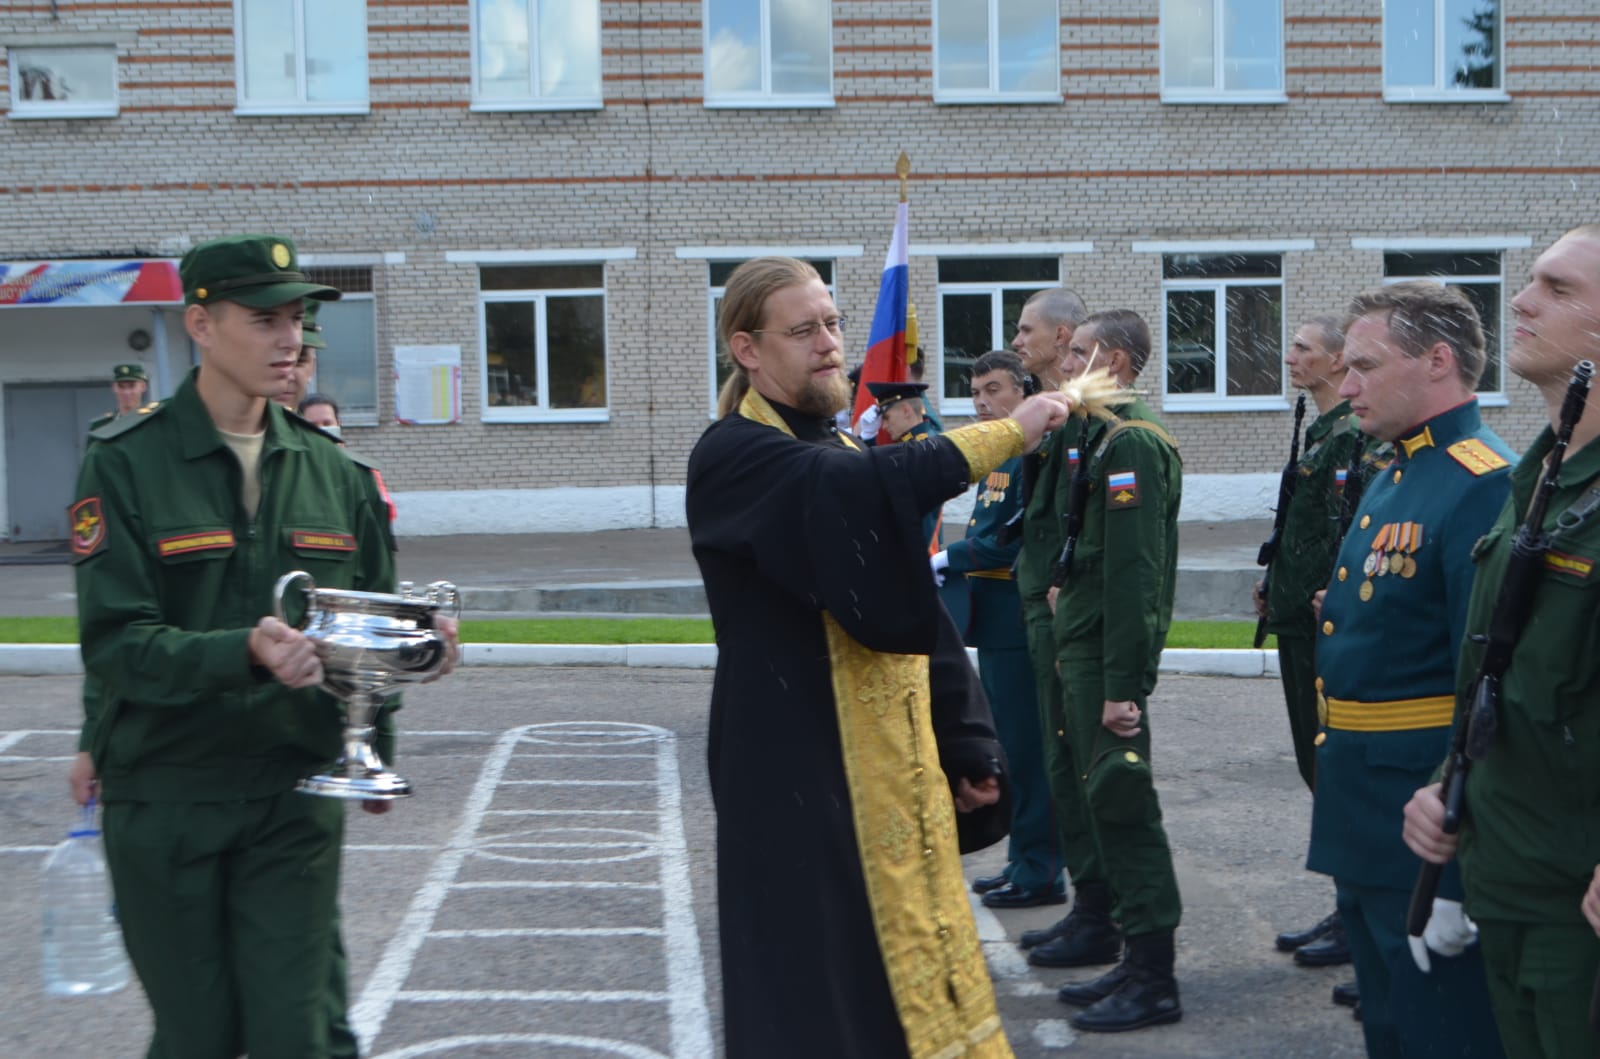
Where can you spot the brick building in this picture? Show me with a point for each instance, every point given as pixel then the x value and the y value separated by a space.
pixel 548 194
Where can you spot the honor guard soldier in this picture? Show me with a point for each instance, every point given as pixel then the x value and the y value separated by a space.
pixel 979 568
pixel 225 877
pixel 1086 936
pixel 1529 844
pixel 1115 579
pixel 1388 641
pixel 129 383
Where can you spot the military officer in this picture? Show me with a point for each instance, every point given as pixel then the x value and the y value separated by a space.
pixel 980 567
pixel 1528 844
pixel 129 383
pixel 902 417
pixel 1390 630
pixel 225 877
pixel 1111 620
pixel 1086 936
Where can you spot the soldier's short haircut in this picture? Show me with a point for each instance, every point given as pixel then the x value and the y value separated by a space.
pixel 1001 360
pixel 1332 330
pixel 1122 329
pixel 1421 314
pixel 1059 305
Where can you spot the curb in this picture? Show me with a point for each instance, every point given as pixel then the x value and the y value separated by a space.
pixel 34 660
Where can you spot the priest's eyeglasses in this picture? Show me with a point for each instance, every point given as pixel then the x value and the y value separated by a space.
pixel 807 330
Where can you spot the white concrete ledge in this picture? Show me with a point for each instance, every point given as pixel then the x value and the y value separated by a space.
pixel 40 659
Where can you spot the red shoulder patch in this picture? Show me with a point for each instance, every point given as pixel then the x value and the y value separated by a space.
pixel 88 525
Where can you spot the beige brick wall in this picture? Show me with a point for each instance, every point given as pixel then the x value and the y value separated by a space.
pixel 656 170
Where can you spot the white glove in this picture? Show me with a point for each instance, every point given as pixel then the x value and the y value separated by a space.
pixel 939 562
pixel 867 427
pixel 1448 933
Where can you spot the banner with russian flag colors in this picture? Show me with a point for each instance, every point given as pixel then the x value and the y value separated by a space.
pixel 886 342
pixel 89 283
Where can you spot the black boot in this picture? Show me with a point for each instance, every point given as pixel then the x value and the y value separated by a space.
pixel 1330 950
pixel 1082 994
pixel 1147 996
pixel 1291 940
pixel 1087 937
pixel 1091 897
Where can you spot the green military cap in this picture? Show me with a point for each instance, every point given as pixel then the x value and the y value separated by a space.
pixel 135 372
pixel 310 330
pixel 258 271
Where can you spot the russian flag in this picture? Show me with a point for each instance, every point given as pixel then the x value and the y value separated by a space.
pixel 886 342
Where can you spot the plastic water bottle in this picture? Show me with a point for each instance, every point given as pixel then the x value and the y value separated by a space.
pixel 83 953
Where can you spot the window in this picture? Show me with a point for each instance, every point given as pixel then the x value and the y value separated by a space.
pixel 347 370
pixel 1224 329
pixel 292 56
pixel 980 299
pixel 719 273
pixel 769 53
pixel 1222 51
pixel 543 333
pixel 996 50
pixel 1477 274
pixel 77 81
pixel 535 54
pixel 1439 50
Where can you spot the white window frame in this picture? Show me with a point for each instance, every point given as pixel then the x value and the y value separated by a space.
pixel 371 262
pixel 1216 93
pixel 1218 400
pixel 1498 245
pixel 765 97
pixel 540 413
pixel 724 254
pixel 45 109
pixel 246 108
pixel 993 94
pixel 1439 92
pixel 533 100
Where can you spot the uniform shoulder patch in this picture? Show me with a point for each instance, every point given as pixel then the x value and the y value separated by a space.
pixel 1122 490
pixel 120 425
pixel 88 526
pixel 1476 457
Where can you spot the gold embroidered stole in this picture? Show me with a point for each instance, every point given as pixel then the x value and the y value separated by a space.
pixel 905 821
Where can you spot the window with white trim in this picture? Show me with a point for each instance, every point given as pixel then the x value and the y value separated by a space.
pixel 987 51
pixel 980 299
pixel 347 370
pixel 1222 51
pixel 535 54
pixel 63 81
pixel 768 53
pixel 296 57
pixel 542 334
pixel 1223 336
pixel 1479 274
pixel 1439 50
pixel 719 271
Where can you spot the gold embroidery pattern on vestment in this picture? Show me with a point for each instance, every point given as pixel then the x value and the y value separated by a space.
pixel 987 445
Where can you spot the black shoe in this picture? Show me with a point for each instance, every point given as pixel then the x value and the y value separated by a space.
pixel 1143 999
pixel 1032 938
pixel 1087 939
pixel 1013 896
pixel 1291 940
pixel 986 883
pixel 1347 994
pixel 1083 994
pixel 1328 951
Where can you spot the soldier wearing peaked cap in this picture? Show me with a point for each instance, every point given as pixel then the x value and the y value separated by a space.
pixel 225 877
pixel 129 383
pixel 902 417
pixel 1388 642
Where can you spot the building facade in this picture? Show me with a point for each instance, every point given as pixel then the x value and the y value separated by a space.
pixel 532 205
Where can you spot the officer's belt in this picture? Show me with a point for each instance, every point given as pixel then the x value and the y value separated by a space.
pixel 1397 716
pixel 993 575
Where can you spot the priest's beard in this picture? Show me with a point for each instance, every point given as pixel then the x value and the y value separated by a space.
pixel 824 397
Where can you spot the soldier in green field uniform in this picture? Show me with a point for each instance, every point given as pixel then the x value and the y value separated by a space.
pixel 979 567
pixel 1086 936
pixel 129 383
pixel 1392 620
pixel 1529 844
pixel 225 877
pixel 1111 619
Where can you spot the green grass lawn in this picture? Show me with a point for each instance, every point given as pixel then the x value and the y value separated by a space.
pixel 616 631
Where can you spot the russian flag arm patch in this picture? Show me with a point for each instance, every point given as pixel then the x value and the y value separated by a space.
pixel 1122 490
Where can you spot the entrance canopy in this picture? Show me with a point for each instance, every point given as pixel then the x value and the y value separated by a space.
pixel 89 283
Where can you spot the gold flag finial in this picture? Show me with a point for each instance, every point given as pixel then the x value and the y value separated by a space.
pixel 902 169
pixel 911 331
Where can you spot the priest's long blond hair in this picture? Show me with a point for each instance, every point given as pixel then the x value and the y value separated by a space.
pixel 744 306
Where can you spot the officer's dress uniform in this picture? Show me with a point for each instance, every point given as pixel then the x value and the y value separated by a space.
pixel 930 522
pixel 982 567
pixel 1392 624
pixel 1111 624
pixel 225 877
pixel 1531 838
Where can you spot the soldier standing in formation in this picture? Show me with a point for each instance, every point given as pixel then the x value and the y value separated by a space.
pixel 129 383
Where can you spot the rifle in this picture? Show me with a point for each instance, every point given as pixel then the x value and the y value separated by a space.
pixel 1474 733
pixel 1076 501
pixel 1287 482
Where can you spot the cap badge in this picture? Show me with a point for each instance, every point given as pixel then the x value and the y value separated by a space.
pixel 280 255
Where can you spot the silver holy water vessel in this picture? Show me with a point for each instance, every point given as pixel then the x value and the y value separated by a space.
pixel 371 644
